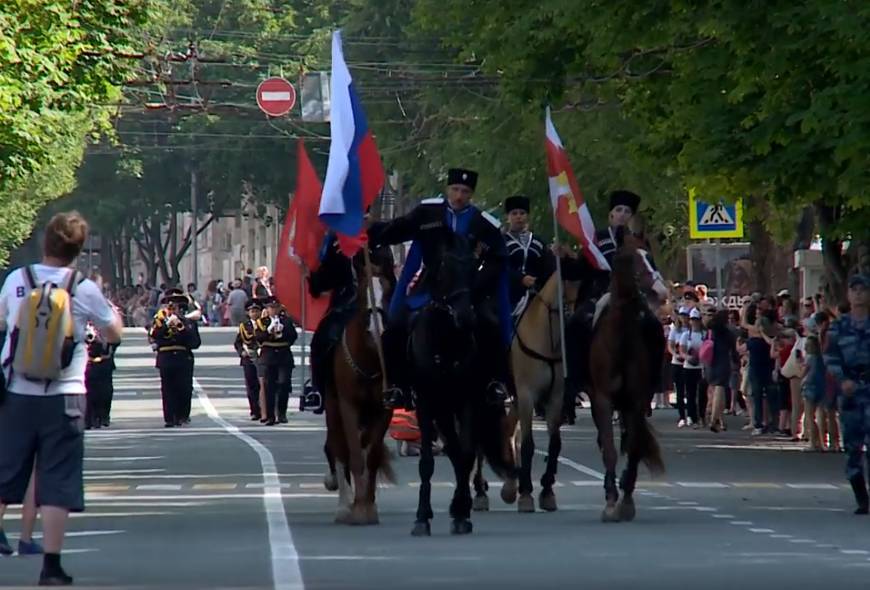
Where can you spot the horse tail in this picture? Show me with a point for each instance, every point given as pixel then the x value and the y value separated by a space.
pixel 383 459
pixel 489 434
pixel 640 440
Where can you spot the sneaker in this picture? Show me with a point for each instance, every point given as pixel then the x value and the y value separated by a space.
pixel 681 423
pixel 5 547
pixel 31 548
pixel 747 426
pixel 58 578
pixel 757 431
pixel 689 422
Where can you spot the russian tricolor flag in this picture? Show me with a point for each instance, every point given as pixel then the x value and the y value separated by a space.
pixel 354 175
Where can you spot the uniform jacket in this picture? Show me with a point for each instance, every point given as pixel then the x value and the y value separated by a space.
pixel 275 350
pixel 530 258
pixel 847 355
pixel 246 338
pixel 427 225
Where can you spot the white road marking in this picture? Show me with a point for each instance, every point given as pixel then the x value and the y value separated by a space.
pixel 576 466
pixel 286 574
pixel 741 522
pixel 122 459
pixel 158 487
pixel 854 552
pixel 701 484
pixel 811 486
pixel 761 530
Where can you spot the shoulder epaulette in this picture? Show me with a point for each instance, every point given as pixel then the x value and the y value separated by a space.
pixel 490 218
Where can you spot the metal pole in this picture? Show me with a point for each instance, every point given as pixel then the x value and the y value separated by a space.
pixel 302 301
pixel 375 314
pixel 720 296
pixel 561 296
pixel 194 226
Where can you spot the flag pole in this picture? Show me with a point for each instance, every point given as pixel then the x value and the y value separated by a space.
pixel 302 299
pixel 561 294
pixel 377 316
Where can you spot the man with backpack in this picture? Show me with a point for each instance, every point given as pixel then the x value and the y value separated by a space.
pixel 44 311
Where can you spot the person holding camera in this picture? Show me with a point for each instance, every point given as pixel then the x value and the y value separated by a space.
pixel 276 333
pixel 175 337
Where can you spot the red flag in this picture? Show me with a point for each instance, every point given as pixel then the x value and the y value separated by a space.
pixel 308 232
pixel 300 243
pixel 567 200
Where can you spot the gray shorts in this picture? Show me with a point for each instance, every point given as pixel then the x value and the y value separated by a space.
pixel 54 424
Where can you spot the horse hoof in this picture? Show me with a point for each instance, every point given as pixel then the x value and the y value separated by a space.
pixel 509 491
pixel 460 526
pixel 610 514
pixel 421 529
pixel 330 482
pixel 547 501
pixel 626 510
pixel 481 503
pixel 343 516
pixel 526 503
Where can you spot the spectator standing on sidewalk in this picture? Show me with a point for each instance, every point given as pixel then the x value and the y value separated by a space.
pixel 724 359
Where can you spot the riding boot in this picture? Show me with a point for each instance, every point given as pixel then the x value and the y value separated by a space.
pixel 859 488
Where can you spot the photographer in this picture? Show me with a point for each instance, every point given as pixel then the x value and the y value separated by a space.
pixel 42 417
pixel 175 336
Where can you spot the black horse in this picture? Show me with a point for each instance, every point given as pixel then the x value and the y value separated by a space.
pixel 443 351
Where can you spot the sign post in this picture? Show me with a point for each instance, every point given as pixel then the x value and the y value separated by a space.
pixel 714 221
pixel 276 96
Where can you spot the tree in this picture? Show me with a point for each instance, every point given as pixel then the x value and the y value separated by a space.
pixel 767 101
pixel 59 63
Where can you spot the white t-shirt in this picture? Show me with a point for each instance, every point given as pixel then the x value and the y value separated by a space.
pixel 691 340
pixel 88 304
pixel 674 338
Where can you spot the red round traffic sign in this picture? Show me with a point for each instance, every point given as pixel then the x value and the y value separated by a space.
pixel 276 96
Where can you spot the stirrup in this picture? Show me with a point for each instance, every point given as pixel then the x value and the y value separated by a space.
pixel 394 398
pixel 496 393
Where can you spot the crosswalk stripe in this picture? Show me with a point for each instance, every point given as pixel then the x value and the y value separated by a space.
pixel 215 487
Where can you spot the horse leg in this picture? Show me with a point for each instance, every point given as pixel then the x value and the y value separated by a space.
pixel 355 462
pixel 330 481
pixel 426 466
pixel 602 412
pixel 377 460
pixel 481 500
pixel 527 452
pixel 509 488
pixel 461 451
pixel 626 484
pixel 547 500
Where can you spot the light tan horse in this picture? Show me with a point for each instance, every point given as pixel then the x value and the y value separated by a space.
pixel 536 360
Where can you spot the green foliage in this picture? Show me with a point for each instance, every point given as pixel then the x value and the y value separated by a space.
pixel 58 63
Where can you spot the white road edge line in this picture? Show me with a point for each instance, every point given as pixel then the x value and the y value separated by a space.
pixel 286 574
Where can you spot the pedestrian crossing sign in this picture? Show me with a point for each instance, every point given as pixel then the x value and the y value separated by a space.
pixel 714 220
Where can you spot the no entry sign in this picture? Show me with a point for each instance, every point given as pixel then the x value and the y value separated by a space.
pixel 276 96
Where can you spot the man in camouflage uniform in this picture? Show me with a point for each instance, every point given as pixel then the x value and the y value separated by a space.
pixel 848 359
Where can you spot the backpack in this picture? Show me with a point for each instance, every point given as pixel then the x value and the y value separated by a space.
pixel 42 340
pixel 705 354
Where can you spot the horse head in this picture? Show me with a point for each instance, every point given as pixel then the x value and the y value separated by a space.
pixel 633 270
pixel 442 343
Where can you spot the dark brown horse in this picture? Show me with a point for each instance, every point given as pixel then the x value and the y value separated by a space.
pixel 356 419
pixel 621 361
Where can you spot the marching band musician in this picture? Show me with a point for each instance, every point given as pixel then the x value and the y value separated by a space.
pixel 276 333
pixel 248 348
pixel 175 337
pixel 98 378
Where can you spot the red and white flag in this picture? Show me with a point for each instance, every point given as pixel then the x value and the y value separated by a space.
pixel 568 204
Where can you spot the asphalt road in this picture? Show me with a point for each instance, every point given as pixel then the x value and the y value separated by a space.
pixel 227 503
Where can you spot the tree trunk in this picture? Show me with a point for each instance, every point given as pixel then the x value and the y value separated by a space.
pixel 760 249
pixel 803 240
pixel 832 251
pixel 107 261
